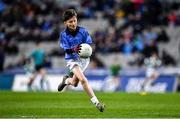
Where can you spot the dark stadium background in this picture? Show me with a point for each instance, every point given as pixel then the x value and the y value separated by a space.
pixel 124 33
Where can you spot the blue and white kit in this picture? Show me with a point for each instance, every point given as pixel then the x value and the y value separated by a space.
pixel 67 41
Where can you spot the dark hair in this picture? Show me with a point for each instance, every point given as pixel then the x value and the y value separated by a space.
pixel 68 14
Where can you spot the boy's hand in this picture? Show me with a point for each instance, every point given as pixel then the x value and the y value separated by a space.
pixel 76 49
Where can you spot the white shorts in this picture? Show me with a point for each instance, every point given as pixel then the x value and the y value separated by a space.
pixel 149 72
pixel 81 62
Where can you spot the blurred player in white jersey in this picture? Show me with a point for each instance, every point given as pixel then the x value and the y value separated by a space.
pixel 152 74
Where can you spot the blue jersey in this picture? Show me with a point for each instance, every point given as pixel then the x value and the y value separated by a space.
pixel 67 41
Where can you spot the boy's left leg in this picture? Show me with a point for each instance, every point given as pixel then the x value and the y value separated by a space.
pixel 63 84
pixel 68 81
pixel 79 74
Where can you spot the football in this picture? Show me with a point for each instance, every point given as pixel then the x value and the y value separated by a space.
pixel 86 50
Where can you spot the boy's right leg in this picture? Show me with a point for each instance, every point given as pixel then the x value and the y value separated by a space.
pixel 100 107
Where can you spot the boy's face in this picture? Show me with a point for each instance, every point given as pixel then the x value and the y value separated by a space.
pixel 71 23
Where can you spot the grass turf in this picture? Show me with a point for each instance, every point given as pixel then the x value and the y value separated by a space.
pixel 77 105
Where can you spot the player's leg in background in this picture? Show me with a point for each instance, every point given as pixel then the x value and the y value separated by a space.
pixel 110 84
pixel 145 83
pixel 39 83
pixel 44 84
pixel 30 82
pixel 149 80
pixel 154 77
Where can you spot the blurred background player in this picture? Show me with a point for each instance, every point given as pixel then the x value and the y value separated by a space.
pixel 112 82
pixel 70 39
pixel 36 71
pixel 151 73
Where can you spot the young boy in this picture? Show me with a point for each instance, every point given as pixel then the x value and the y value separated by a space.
pixel 70 40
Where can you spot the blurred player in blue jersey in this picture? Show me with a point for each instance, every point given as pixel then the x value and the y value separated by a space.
pixel 70 40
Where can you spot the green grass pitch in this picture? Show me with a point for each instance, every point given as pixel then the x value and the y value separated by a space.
pixel 77 105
